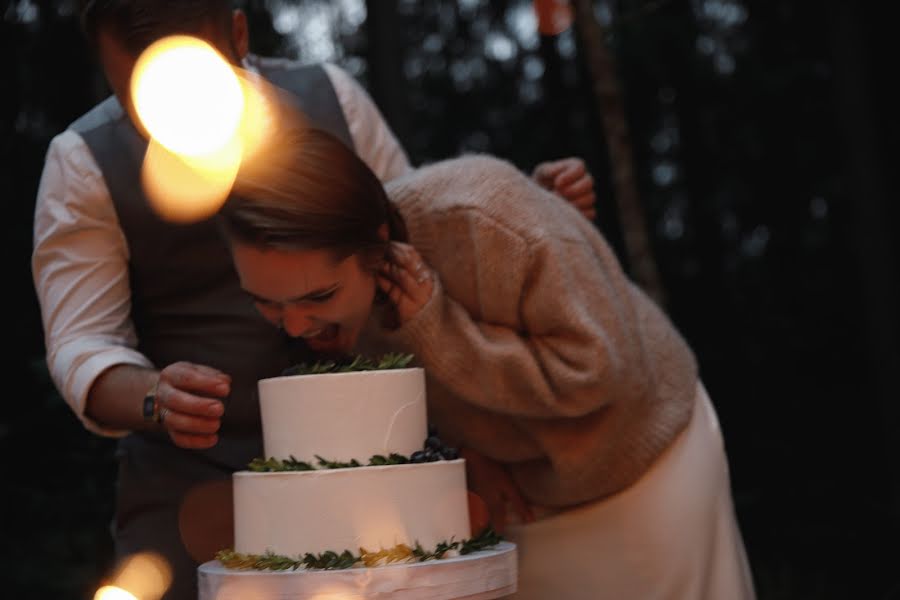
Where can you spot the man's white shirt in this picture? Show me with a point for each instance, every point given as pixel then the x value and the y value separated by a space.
pixel 80 256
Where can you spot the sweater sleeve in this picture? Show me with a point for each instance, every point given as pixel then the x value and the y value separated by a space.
pixel 572 348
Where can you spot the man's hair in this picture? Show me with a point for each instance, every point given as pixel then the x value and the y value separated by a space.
pixel 138 23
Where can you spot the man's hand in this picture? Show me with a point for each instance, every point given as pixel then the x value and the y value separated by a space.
pixel 569 178
pixel 189 410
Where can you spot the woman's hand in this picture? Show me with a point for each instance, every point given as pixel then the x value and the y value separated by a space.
pixel 407 280
pixel 491 482
pixel 188 407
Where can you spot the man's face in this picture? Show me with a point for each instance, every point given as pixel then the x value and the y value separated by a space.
pixel 118 64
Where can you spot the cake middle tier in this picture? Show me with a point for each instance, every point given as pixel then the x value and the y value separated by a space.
pixel 292 513
pixel 343 416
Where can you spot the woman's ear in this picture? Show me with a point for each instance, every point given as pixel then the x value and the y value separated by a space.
pixel 384 233
pixel 240 34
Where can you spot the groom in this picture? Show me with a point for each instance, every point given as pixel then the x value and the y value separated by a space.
pixel 149 336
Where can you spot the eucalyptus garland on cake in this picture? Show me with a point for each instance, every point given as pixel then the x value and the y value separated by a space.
pixel 331 560
pixel 434 450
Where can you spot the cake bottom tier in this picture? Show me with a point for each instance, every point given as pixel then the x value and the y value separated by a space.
pixel 478 576
pixel 292 513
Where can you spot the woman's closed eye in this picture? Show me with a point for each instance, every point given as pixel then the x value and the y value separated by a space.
pixel 320 298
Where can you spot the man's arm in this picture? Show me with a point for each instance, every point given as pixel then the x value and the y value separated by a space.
pixel 185 394
pixel 80 270
pixel 373 139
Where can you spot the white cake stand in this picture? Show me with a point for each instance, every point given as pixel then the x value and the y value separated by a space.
pixel 477 576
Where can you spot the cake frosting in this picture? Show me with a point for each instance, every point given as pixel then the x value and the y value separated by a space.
pixel 342 417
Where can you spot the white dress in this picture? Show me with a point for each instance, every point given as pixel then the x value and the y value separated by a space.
pixel 671 535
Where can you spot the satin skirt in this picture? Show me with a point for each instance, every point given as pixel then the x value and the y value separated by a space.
pixel 671 535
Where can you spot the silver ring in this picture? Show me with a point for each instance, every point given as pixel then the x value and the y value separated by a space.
pixel 163 412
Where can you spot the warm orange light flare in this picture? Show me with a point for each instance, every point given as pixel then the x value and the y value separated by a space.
pixel 186 189
pixel 205 119
pixel 142 576
pixel 187 95
pixel 111 592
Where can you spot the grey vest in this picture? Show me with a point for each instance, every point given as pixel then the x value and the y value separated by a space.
pixel 187 304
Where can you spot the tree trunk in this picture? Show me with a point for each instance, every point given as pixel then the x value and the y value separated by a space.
pixel 386 80
pixel 610 105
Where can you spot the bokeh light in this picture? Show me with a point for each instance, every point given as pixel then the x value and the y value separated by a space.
pixel 205 119
pixel 186 95
pixel 111 592
pixel 141 576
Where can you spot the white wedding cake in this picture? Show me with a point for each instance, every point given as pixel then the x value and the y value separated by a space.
pixel 354 498
pixel 337 425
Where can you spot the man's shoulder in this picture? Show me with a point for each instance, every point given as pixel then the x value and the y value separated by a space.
pixel 105 112
pixel 264 64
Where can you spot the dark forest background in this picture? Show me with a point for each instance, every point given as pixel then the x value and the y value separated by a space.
pixel 761 135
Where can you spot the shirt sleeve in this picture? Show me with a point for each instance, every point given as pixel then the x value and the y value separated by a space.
pixel 373 139
pixel 574 348
pixel 80 270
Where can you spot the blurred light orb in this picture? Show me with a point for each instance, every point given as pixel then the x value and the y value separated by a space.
pixel 111 592
pixel 187 95
pixel 185 189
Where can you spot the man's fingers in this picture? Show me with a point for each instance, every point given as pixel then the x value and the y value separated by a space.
pixel 192 441
pixel 570 174
pixel 196 378
pixel 584 201
pixel 546 172
pixel 184 402
pixel 581 187
pixel 189 424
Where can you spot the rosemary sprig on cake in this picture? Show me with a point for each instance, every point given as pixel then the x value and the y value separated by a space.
pixel 274 465
pixel 391 360
pixel 331 560
pixel 433 451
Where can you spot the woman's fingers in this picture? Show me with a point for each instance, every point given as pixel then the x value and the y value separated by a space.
pixel 407 280
pixel 516 502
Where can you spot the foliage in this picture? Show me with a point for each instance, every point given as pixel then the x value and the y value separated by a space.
pixel 274 465
pixel 331 560
pixel 386 362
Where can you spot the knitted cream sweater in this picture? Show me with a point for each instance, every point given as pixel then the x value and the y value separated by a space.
pixel 539 353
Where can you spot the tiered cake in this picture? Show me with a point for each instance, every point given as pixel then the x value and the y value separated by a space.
pixel 326 419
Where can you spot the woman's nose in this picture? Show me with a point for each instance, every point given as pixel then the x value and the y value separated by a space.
pixel 296 321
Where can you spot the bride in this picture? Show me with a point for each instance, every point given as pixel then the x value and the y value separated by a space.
pixel 577 403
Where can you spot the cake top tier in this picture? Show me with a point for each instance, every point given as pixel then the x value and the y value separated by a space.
pixel 343 416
